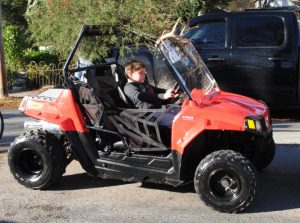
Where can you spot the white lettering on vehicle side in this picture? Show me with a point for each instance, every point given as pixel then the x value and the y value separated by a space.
pixel 188 118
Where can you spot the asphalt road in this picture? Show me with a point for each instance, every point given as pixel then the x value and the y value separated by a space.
pixel 81 198
pixel 13 126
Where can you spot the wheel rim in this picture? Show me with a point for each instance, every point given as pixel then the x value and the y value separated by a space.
pixel 31 163
pixel 224 184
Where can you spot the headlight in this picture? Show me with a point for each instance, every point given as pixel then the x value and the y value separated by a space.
pixel 256 124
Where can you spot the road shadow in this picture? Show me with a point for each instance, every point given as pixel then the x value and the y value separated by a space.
pixel 12 115
pixel 5 142
pixel 284 127
pixel 186 188
pixel 285 130
pixel 285 114
pixel 278 185
pixel 276 193
pixel 7 221
pixel 84 181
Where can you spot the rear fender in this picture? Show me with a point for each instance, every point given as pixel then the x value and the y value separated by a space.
pixel 55 106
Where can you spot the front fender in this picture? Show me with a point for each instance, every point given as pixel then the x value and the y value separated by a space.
pixel 194 120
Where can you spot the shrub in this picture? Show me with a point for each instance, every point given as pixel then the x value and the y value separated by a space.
pixel 11 76
pixel 40 56
pixel 41 74
pixel 15 42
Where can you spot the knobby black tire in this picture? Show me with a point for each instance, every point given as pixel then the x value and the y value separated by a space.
pixel 226 163
pixel 37 159
pixel 1 125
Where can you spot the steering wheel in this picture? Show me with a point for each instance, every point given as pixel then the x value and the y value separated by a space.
pixel 176 88
pixel 178 100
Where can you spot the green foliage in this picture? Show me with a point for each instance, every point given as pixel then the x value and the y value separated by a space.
pixel 36 69
pixel 210 5
pixel 12 74
pixel 240 5
pixel 13 11
pixel 41 74
pixel 15 42
pixel 40 56
pixel 57 24
pixel 187 9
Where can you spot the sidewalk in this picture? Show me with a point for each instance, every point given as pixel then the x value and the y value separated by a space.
pixel 23 93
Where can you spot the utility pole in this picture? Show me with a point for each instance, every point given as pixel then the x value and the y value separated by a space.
pixel 3 82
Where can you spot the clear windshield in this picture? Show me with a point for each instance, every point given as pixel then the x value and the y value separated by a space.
pixel 188 65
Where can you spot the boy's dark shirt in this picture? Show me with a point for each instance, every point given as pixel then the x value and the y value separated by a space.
pixel 144 95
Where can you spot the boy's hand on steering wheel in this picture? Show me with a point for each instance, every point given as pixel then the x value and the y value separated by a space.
pixel 170 94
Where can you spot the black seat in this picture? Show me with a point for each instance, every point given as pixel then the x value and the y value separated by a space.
pixel 108 84
pixel 121 80
pixel 100 93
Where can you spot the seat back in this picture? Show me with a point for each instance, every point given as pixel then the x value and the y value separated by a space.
pixel 118 72
pixel 92 107
pixel 100 93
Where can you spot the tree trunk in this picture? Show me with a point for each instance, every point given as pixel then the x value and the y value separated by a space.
pixel 3 82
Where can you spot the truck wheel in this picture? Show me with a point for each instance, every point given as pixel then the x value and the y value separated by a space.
pixel 225 180
pixel 37 159
pixel 264 159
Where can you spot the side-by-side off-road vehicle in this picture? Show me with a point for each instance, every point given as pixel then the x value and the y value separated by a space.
pixel 217 139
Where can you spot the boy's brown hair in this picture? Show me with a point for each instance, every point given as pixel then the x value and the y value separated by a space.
pixel 133 66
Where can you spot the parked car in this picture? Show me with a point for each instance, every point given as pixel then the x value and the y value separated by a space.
pixel 253 53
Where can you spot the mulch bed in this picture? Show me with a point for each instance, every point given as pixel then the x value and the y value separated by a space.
pixel 10 103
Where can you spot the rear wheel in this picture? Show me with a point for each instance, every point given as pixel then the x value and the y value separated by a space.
pixel 37 159
pixel 225 180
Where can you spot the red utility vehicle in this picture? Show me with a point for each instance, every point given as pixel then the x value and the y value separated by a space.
pixel 217 139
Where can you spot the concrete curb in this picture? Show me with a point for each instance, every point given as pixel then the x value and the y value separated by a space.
pixel 21 94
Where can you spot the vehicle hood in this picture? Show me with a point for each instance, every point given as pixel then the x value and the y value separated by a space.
pixel 241 104
pixel 230 103
pixel 224 110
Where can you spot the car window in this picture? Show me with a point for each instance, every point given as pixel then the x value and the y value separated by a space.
pixel 260 31
pixel 208 35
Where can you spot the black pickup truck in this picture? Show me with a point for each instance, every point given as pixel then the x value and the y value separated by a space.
pixel 254 53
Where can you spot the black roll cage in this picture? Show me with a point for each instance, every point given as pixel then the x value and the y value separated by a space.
pixel 93 30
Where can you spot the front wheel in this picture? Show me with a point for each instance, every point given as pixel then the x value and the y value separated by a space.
pixel 37 159
pixel 225 180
